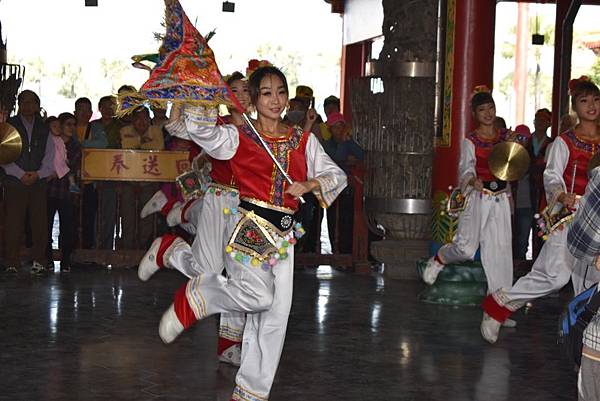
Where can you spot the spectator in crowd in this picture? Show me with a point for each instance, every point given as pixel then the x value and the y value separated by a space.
pixel 107 190
pixel 140 134
pixel 330 105
pixel 304 94
pixel 583 240
pixel 107 105
pixel 296 113
pixel 346 153
pixel 567 122
pixel 160 116
pixel 90 136
pixel 61 197
pixel 25 184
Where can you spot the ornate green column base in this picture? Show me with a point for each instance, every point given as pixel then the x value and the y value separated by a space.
pixel 458 284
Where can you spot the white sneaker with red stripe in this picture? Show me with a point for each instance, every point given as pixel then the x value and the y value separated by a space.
pixel 490 328
pixel 232 355
pixel 432 270
pixel 174 217
pixel 170 327
pixel 154 205
pixel 149 265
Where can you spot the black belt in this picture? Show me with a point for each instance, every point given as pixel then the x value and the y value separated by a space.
pixel 495 186
pixel 282 221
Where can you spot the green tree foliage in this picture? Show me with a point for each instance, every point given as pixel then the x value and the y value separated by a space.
pixel 70 80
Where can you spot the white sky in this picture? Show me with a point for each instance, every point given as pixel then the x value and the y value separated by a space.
pixel 582 58
pixel 65 31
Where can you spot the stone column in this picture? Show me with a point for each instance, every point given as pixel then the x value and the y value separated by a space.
pixel 394 118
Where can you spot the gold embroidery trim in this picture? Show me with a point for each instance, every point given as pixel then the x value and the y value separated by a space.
pixel 223 187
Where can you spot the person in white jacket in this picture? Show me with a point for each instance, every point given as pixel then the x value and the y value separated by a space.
pixel 485 223
pixel 259 260
pixel 565 180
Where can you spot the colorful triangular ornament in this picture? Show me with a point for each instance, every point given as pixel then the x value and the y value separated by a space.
pixel 186 71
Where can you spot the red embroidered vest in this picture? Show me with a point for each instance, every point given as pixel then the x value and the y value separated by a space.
pixel 483 147
pixel 257 176
pixel 221 172
pixel 580 153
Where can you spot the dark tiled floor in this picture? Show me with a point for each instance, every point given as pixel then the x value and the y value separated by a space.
pixel 92 335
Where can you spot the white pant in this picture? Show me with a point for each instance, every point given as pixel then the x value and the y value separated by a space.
pixel 208 250
pixel 551 271
pixel 266 296
pixel 485 223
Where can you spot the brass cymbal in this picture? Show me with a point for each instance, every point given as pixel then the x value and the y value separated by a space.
pixel 594 162
pixel 10 143
pixel 509 161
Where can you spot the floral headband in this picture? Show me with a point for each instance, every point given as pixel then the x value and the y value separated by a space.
pixel 574 82
pixel 254 65
pixel 481 89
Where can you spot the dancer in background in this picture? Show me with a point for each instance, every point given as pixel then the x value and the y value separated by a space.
pixel 486 222
pixel 565 179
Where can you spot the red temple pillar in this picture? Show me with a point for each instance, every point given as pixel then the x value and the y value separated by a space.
pixel 469 62
pixel 354 57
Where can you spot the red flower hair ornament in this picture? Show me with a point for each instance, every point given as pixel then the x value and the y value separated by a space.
pixel 254 65
pixel 574 82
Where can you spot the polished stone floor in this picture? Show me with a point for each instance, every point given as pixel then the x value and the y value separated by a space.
pixel 92 335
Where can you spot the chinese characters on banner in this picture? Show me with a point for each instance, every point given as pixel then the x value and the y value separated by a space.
pixel 133 165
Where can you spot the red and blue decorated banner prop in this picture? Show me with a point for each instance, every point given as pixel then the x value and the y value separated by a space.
pixel 186 71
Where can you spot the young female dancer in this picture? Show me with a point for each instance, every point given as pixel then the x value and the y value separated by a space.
pixel 565 179
pixel 485 223
pixel 260 249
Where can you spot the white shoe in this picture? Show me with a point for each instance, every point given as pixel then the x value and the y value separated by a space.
pixel 155 204
pixel 232 355
pixel 148 265
pixel 432 270
pixel 170 327
pixel 174 216
pixel 37 268
pixel 509 324
pixel 490 328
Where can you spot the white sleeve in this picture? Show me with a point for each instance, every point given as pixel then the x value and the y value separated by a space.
pixel 219 141
pixel 466 165
pixel 332 179
pixel 558 157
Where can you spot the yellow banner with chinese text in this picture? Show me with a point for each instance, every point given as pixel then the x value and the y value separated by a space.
pixel 132 165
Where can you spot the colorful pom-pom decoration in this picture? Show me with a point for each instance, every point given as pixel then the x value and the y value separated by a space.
pixel 226 211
